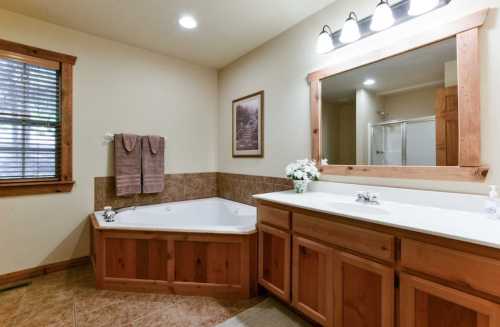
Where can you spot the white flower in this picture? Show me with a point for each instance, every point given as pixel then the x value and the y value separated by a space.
pixel 298 174
pixel 304 169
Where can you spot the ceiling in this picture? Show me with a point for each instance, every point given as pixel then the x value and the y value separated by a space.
pixel 423 66
pixel 227 28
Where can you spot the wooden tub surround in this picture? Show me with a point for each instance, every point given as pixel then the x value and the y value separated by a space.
pixel 179 263
pixel 347 273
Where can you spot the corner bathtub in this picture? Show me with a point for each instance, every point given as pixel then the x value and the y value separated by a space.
pixel 198 247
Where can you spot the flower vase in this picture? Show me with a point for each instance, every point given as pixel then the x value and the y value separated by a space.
pixel 300 186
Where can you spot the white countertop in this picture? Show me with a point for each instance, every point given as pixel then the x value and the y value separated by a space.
pixel 468 226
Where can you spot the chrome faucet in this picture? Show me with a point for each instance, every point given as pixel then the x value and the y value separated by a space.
pixel 109 214
pixel 125 209
pixel 367 197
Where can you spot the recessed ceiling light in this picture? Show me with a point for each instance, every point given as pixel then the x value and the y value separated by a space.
pixel 188 22
pixel 369 81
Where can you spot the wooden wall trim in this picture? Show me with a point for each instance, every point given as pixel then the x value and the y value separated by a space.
pixel 36 52
pixel 469 109
pixel 50 64
pixel 444 173
pixel 66 122
pixel 315 89
pixel 30 188
pixel 43 270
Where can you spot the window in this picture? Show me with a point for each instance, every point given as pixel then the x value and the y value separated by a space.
pixel 29 121
pixel 35 120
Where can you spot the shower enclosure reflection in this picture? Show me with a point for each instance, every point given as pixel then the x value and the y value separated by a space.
pixel 403 143
pixel 400 111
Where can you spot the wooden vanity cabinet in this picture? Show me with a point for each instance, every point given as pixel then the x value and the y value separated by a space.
pixel 312 281
pixel 364 292
pixel 343 273
pixel 274 251
pixel 428 304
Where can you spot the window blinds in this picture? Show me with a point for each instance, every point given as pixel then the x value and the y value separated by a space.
pixel 29 121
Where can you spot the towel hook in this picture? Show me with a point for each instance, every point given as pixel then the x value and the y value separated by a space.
pixel 108 137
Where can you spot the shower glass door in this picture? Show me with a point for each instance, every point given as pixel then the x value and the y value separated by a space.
pixel 387 144
pixel 377 145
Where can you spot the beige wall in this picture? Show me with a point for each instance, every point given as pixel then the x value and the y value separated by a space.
pixel 328 125
pixel 280 67
pixel 368 105
pixel 117 89
pixel 450 73
pixel 410 104
pixel 339 132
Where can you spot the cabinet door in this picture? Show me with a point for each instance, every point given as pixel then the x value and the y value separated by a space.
pixel 274 261
pixel 427 304
pixel 364 292
pixel 312 288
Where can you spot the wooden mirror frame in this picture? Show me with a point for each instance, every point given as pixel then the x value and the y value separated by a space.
pixel 466 31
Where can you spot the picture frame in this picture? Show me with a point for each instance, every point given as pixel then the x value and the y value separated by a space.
pixel 248 126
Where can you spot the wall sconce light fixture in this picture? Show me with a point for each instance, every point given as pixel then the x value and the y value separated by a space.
pixel 383 18
pixel 324 43
pixel 350 31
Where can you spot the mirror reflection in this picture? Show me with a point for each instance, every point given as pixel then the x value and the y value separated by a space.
pixel 400 111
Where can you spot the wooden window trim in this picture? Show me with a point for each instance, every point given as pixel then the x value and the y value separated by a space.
pixel 466 30
pixel 65 64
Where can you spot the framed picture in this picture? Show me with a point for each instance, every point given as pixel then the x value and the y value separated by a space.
pixel 248 126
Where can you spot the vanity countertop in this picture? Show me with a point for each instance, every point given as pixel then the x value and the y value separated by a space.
pixel 472 227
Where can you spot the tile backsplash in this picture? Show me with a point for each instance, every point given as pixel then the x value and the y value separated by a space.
pixel 179 187
pixel 240 188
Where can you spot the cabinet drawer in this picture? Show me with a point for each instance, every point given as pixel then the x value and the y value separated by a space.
pixel 274 216
pixel 464 269
pixel 375 244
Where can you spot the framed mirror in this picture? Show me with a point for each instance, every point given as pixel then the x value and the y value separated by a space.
pixel 409 111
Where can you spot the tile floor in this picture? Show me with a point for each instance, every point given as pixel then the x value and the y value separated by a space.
pixel 268 313
pixel 68 298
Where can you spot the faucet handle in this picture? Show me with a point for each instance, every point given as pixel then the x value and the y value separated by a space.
pixel 108 214
pixel 375 198
pixel 362 196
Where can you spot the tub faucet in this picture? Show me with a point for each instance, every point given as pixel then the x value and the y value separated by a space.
pixel 109 214
pixel 125 209
pixel 367 197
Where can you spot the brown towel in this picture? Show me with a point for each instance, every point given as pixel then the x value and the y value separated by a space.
pixel 153 164
pixel 127 164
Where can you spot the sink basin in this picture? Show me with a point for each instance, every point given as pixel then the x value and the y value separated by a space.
pixel 359 208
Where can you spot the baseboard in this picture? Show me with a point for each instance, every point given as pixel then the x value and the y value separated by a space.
pixel 42 270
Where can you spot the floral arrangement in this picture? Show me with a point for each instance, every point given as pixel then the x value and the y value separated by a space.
pixel 302 170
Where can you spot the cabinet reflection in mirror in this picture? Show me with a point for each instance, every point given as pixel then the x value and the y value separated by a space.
pixel 400 111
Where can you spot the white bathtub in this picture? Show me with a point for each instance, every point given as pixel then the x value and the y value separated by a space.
pixel 212 215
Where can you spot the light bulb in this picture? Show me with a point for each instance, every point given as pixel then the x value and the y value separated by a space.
pixel 324 43
pixel 350 31
pixel 188 22
pixel 383 17
pixel 369 82
pixel 419 7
